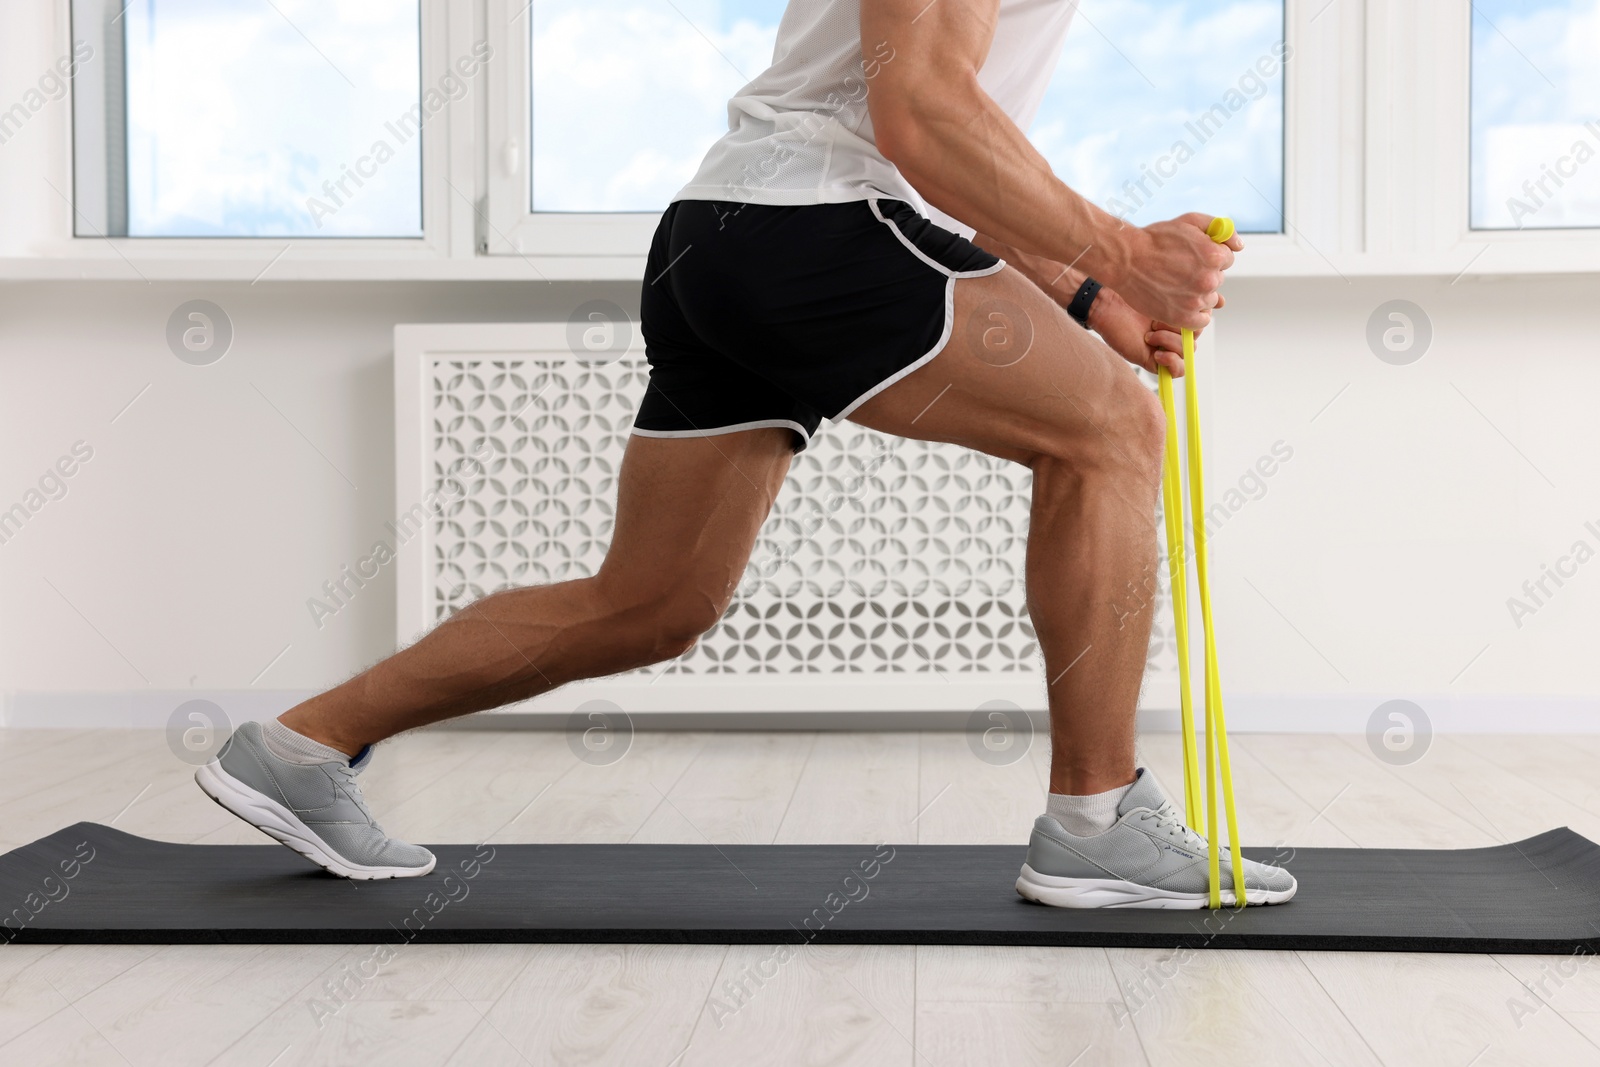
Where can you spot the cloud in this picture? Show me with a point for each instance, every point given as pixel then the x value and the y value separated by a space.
pixel 234 117
pixel 1133 74
pixel 1534 86
pixel 627 97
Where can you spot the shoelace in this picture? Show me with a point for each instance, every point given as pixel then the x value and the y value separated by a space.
pixel 353 791
pixel 1167 819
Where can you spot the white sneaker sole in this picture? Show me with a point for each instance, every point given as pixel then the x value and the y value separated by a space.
pixel 1114 893
pixel 285 827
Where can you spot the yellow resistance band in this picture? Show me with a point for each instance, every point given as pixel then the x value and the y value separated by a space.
pixel 1220 230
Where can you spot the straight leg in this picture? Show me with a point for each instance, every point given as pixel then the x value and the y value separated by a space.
pixel 688 512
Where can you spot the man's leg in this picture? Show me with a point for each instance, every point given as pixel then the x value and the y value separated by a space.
pixel 1076 414
pixel 688 512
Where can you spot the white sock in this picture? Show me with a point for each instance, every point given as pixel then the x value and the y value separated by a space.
pixel 295 747
pixel 1086 816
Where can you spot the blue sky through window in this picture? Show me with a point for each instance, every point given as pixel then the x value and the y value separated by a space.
pixel 241 113
pixel 1535 114
pixel 246 119
pixel 628 94
pixel 1161 107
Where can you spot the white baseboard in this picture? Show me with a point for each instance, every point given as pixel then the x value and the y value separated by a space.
pixel 139 709
pixel 1246 713
pixel 1447 713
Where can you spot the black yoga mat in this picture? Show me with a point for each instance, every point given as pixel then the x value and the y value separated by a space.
pixel 93 884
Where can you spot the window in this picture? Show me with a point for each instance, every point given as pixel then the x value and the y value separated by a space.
pixel 1407 138
pixel 1535 114
pixel 1161 107
pixel 629 94
pixel 249 118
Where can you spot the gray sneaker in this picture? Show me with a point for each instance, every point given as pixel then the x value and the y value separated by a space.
pixel 316 809
pixel 1148 859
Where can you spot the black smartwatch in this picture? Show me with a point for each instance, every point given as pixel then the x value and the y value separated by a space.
pixel 1082 301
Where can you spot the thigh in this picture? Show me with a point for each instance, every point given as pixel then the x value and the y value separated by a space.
pixel 1016 378
pixel 689 510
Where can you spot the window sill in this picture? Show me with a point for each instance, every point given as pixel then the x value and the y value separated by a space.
pixel 1475 254
pixel 262 269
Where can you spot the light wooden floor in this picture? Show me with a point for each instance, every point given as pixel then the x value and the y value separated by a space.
pixel 673 1005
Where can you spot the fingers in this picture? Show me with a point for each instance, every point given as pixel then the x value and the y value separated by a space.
pixel 1195 321
pixel 1204 221
pixel 1186 271
pixel 1196 310
pixel 1226 249
pixel 1164 337
pixel 1166 346
pixel 1218 258
pixel 1234 242
pixel 1214 300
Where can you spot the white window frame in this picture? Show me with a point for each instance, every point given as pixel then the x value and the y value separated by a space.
pixel 1429 219
pixel 623 238
pixel 1321 182
pixel 513 228
pixel 1376 167
pixel 445 33
pixel 1376 171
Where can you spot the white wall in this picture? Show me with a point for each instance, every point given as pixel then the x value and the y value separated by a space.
pixel 182 555
pixel 1377 564
pixel 1415 504
pixel 184 551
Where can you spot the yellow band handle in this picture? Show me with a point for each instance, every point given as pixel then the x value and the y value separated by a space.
pixel 1217 757
pixel 1220 230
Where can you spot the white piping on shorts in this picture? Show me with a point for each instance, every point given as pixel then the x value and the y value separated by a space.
pixel 949 311
pixel 717 431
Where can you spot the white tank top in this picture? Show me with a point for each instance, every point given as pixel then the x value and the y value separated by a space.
pixel 800 132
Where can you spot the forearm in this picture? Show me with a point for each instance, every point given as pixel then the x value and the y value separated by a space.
pixel 1059 281
pixel 1132 335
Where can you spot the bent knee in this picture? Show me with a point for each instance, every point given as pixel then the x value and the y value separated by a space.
pixel 1125 434
pixel 675 619
pixel 1147 422
pixel 682 626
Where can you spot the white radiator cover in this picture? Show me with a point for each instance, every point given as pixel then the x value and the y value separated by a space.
pixel 888 578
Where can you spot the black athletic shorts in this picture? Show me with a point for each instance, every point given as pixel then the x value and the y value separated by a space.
pixel 758 315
